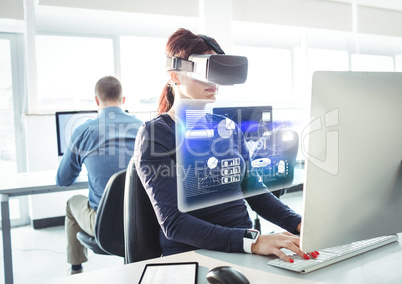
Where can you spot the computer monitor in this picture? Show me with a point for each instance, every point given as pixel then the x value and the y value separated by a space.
pixel 353 188
pixel 208 137
pixel 66 122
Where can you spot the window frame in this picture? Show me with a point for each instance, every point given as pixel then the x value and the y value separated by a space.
pixel 19 106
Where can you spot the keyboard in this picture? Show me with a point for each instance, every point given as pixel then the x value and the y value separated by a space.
pixel 332 255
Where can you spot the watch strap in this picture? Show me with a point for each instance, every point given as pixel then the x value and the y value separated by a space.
pixel 250 238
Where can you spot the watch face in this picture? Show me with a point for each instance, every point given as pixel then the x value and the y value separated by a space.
pixel 251 234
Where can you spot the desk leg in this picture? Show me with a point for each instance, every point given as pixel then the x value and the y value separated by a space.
pixel 6 230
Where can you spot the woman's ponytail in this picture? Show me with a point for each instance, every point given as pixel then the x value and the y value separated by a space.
pixel 166 99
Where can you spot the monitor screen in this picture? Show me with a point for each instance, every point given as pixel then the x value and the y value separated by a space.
pixel 353 188
pixel 66 122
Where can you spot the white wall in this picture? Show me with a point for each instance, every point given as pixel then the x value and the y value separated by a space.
pixel 12 16
pixel 379 21
pixel 12 9
pixel 306 13
pixel 188 8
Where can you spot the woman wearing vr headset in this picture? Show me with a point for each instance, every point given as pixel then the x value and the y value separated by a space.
pixel 224 227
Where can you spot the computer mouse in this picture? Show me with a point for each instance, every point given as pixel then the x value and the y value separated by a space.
pixel 226 275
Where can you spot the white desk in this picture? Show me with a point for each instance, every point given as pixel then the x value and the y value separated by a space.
pixel 26 184
pixel 382 265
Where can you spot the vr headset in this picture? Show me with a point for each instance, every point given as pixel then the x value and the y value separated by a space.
pixel 218 68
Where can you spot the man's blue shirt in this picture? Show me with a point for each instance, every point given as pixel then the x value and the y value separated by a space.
pixel 105 145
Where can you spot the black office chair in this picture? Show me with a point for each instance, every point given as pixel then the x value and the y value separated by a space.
pixel 141 228
pixel 109 235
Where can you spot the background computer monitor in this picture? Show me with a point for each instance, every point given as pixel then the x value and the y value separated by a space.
pixel 66 122
pixel 353 188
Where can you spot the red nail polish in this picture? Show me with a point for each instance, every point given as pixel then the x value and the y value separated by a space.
pixel 313 255
pixel 317 253
pixel 291 260
pixel 306 256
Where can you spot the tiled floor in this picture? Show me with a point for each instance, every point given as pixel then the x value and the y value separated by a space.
pixel 39 255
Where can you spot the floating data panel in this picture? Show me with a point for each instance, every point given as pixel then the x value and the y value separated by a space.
pixel 226 152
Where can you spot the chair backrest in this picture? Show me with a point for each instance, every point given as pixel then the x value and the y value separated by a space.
pixel 109 225
pixel 141 228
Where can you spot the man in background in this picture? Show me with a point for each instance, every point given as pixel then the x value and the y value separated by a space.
pixel 105 145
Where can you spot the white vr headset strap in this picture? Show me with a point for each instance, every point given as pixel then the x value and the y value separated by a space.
pixel 178 64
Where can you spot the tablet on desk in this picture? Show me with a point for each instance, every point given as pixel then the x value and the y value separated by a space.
pixel 170 273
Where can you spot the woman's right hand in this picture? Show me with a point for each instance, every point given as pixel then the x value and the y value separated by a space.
pixel 273 243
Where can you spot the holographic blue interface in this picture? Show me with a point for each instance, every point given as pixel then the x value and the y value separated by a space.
pixel 226 153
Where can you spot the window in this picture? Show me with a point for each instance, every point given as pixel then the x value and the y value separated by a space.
pixel 398 63
pixel 8 160
pixel 11 160
pixel 269 75
pixel 324 60
pixel 143 62
pixel 68 69
pixel 327 60
pixel 365 62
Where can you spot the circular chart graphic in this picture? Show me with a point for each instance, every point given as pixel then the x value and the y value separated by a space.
pixel 226 128
pixel 212 163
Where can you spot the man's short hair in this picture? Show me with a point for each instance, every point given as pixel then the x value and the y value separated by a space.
pixel 108 89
